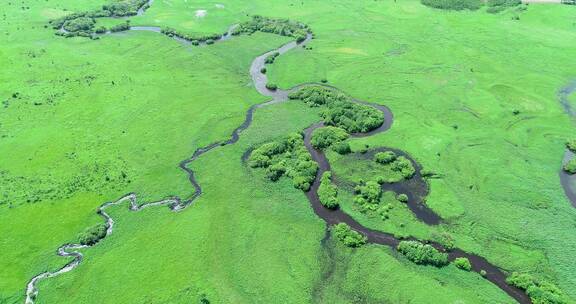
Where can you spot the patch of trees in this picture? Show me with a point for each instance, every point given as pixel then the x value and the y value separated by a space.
pixel 81 24
pixel 570 166
pixel 92 235
pixel 286 157
pixel 339 110
pixel 271 86
pixel 456 5
pixel 120 27
pixel 271 58
pixel 385 157
pixel 194 39
pixel 368 195
pixel 463 263
pixel 283 27
pixel 341 147
pixel 404 166
pixel 571 145
pixel 347 236
pixel 496 6
pixel 423 254
pixel 125 8
pixel 540 291
pixel 327 192
pixel 327 136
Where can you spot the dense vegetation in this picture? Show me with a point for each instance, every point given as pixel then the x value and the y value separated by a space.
pixel 570 166
pixel 287 156
pixel 283 27
pixel 404 166
pixel 347 236
pixel 327 192
pixel 424 254
pixel 571 145
pixel 385 157
pixel 463 263
pixel 325 137
pixel 194 39
pixel 540 291
pixel 368 193
pixel 496 6
pixel 457 5
pixel 339 110
pixel 342 147
pixel 92 235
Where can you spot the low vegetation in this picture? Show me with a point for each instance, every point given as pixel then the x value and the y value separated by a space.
pixel 194 39
pixel 327 192
pixel 463 263
pixel 347 236
pixel 325 137
pixel 404 166
pixel 92 235
pixel 496 6
pixel 423 254
pixel 342 147
pixel 385 157
pixel 283 27
pixel 570 166
pixel 270 58
pixel 120 27
pixel 287 156
pixel 368 195
pixel 571 145
pixel 339 109
pixel 456 5
pixel 540 291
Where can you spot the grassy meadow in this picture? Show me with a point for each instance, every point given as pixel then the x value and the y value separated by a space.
pixel 82 122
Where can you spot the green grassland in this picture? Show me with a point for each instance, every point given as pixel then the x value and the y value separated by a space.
pixel 83 122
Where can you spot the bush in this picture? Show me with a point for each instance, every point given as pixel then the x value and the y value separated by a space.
pixel 125 7
pixel 286 156
pixel 120 27
pixel 341 148
pixel 539 291
pixel 423 254
pixel 404 166
pixel 402 198
pixel 283 27
pixel 327 136
pixel 101 30
pixel 210 41
pixel 385 157
pixel 348 236
pixel 327 192
pixel 571 145
pixel 339 110
pixel 271 58
pixel 368 194
pixel 463 263
pixel 570 166
pixel 457 5
pixel 81 24
pixel 92 235
pixel 263 70
pixel 271 86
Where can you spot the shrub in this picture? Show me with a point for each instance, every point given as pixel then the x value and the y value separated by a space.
pixel 271 58
pixel 348 236
pixel 571 145
pixel 539 291
pixel 327 136
pixel 463 263
pixel 101 30
pixel 327 192
pixel 368 194
pixel 570 166
pixel 283 27
pixel 341 147
pixel 385 157
pixel 457 5
pixel 92 235
pixel 286 157
pixel 339 110
pixel 404 166
pixel 120 27
pixel 271 86
pixel 209 41
pixel 483 272
pixel 263 70
pixel 402 198
pixel 422 253
pixel 125 7
pixel 84 24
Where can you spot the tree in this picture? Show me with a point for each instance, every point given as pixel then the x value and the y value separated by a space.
pixel 327 192
pixel 325 137
pixel 348 236
pixel 422 253
pixel 385 157
pixel 463 263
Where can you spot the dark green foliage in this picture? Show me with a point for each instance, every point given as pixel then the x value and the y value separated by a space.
pixel 283 27
pixel 457 5
pixel 125 7
pixel 92 235
pixel 540 291
pixel 327 192
pixel 348 236
pixel 404 166
pixel 341 147
pixel 210 41
pixel 423 254
pixel 463 263
pixel 327 136
pixel 81 24
pixel 101 30
pixel 270 59
pixel 570 166
pixel 496 6
pixel 263 70
pixel 271 86
pixel 402 198
pixel 339 110
pixel 385 157
pixel 368 195
pixel 446 240
pixel 287 156
pixel 195 40
pixel 571 145
pixel 120 27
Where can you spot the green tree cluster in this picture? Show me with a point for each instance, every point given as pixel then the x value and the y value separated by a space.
pixel 368 195
pixel 423 254
pixel 194 39
pixel 404 166
pixel 287 156
pixel 283 27
pixel 463 263
pixel 347 236
pixel 456 5
pixel 385 157
pixel 539 291
pixel 570 166
pixel 327 192
pixel 340 110
pixel 571 145
pixel 92 235
pixel 327 136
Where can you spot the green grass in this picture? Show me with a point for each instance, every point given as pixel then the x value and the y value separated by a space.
pixel 452 80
